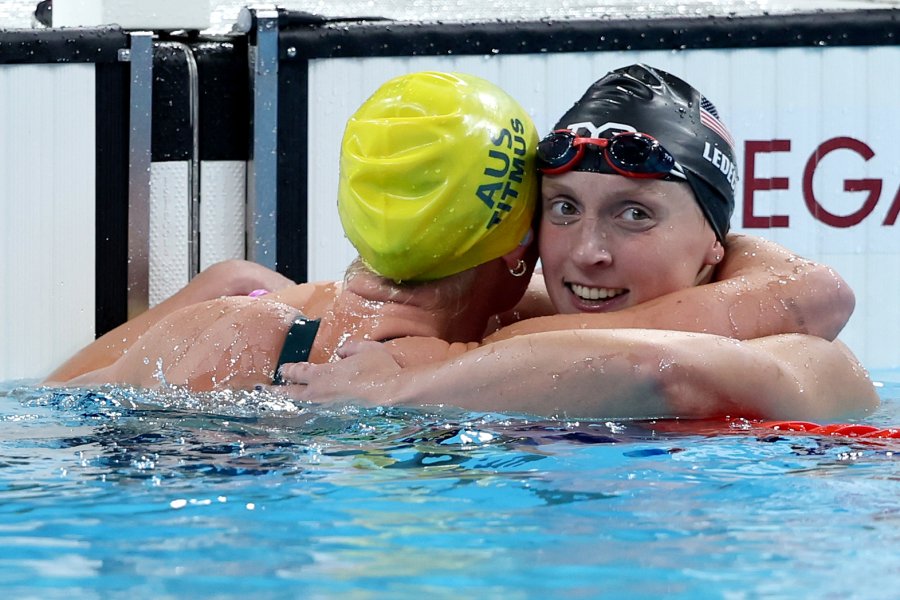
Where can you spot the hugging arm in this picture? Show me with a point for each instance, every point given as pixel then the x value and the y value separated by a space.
pixel 613 374
pixel 230 342
pixel 761 289
pixel 226 278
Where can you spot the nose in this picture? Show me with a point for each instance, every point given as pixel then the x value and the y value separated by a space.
pixel 591 246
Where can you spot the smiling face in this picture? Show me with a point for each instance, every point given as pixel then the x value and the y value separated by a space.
pixel 609 242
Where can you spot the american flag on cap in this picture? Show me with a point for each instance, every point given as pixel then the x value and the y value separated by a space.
pixel 709 116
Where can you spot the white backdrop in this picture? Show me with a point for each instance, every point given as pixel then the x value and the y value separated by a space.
pixel 47 230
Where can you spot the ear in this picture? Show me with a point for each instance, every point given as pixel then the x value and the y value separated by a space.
pixel 512 258
pixel 714 254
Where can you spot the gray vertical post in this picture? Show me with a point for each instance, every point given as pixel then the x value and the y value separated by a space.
pixel 139 157
pixel 262 180
pixel 194 169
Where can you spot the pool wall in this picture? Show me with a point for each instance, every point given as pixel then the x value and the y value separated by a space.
pixel 129 162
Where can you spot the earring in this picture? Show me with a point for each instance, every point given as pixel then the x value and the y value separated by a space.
pixel 718 257
pixel 519 269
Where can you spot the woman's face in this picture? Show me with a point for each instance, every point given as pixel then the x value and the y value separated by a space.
pixel 608 242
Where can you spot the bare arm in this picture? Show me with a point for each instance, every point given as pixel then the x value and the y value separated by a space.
pixel 614 374
pixel 535 302
pixel 227 278
pixel 760 289
pixel 226 343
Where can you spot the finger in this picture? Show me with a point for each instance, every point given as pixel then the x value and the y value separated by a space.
pixel 276 388
pixel 358 347
pixel 300 372
pixel 294 391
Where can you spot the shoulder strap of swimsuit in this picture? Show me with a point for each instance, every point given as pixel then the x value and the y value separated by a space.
pixel 297 344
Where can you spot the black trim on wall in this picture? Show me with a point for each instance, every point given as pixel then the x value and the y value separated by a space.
pixel 111 281
pixel 833 28
pixel 224 100
pixel 291 228
pixel 74 44
pixel 172 135
pixel 304 39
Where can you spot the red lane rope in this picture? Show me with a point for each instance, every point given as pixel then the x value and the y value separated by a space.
pixel 839 429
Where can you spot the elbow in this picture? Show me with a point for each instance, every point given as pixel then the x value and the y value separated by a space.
pixel 669 384
pixel 237 277
pixel 845 301
pixel 835 304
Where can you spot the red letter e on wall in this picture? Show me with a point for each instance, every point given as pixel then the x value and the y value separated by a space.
pixel 753 184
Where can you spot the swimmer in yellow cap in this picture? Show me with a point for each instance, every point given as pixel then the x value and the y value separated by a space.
pixel 437 192
pixel 434 183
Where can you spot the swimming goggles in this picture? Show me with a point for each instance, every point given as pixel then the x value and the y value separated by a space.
pixel 629 154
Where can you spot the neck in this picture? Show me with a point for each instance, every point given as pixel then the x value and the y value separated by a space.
pixel 705 275
pixel 372 308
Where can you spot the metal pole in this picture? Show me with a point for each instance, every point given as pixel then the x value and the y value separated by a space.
pixel 140 56
pixel 262 175
pixel 193 240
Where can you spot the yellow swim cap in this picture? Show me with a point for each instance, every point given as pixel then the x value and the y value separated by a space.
pixel 437 176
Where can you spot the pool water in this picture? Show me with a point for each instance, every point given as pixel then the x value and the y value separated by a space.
pixel 115 493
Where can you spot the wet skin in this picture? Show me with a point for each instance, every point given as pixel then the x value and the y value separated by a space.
pixel 609 242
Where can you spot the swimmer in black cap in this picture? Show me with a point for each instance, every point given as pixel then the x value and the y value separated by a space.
pixel 647 118
pixel 638 190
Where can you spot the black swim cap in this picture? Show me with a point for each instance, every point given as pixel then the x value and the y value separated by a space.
pixel 646 100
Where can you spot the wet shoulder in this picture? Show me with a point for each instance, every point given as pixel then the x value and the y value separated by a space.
pixel 312 299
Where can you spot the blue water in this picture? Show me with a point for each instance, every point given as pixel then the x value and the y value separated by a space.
pixel 113 493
